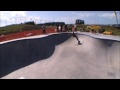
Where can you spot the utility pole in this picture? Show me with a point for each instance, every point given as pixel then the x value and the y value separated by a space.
pixel 116 17
pixel 119 17
pixel 0 18
pixel 97 20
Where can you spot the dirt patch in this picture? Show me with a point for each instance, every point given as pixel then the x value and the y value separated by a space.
pixel 24 34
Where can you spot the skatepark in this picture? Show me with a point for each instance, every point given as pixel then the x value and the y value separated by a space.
pixel 58 56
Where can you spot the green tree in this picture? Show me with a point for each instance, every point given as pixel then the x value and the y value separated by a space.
pixel 78 21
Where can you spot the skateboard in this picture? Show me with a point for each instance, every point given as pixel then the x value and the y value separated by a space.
pixel 79 43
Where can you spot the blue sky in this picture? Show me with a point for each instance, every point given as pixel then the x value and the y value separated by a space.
pixel 69 17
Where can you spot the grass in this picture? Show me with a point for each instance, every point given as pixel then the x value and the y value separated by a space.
pixel 17 28
pixel 79 27
pixel 116 31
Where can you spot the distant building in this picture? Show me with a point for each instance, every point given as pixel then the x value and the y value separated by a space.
pixel 53 23
pixel 79 21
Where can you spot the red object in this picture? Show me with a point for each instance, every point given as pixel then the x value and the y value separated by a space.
pixel 24 33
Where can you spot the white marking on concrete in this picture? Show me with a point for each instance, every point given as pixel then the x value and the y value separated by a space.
pixel 21 78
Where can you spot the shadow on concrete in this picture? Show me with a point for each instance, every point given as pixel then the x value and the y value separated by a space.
pixel 18 54
pixel 109 42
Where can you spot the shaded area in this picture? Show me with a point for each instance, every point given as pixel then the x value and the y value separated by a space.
pixel 18 54
pixel 109 42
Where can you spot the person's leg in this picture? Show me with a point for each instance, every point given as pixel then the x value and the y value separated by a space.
pixel 45 31
pixel 74 35
pixel 77 38
pixel 61 29
pixel 76 29
pixel 79 43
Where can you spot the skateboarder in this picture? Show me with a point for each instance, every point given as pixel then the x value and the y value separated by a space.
pixel 74 35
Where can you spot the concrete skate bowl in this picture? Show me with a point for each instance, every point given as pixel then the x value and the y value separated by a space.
pixel 94 59
pixel 18 54
pixel 100 57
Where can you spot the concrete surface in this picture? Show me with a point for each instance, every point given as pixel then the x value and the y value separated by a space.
pixel 100 36
pixel 60 57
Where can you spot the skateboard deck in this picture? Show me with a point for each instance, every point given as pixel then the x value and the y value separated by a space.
pixel 80 43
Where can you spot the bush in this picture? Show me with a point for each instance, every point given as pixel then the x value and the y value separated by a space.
pixel 78 21
pixel 30 23
pixel 101 30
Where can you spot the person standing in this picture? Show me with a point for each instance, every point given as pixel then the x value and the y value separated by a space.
pixel 75 27
pixel 66 28
pixel 44 29
pixel 59 28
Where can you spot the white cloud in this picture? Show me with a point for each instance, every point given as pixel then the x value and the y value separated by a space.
pixel 5 15
pixel 8 17
pixel 12 17
pixel 83 14
pixel 99 14
pixel 22 16
pixel 18 13
pixel 87 18
pixel 66 19
pixel 107 15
